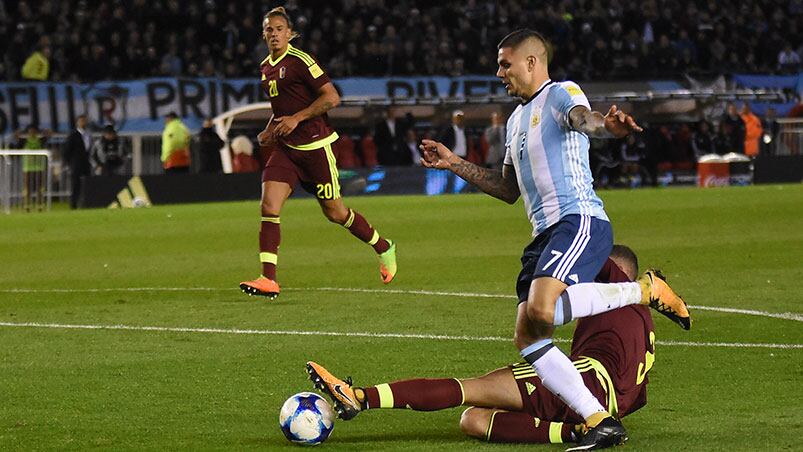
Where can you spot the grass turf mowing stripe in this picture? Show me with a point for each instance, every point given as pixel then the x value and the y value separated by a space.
pixel 437 337
pixel 774 315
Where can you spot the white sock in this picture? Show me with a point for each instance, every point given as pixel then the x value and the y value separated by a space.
pixel 560 376
pixel 587 299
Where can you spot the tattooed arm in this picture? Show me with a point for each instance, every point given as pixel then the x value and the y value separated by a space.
pixel 327 100
pixel 615 124
pixel 500 184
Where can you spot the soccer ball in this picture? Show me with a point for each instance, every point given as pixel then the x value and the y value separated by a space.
pixel 138 202
pixel 306 418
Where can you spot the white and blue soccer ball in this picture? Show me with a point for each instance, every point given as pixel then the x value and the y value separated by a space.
pixel 306 418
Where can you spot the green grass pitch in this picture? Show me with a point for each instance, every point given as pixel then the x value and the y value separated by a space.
pixel 179 266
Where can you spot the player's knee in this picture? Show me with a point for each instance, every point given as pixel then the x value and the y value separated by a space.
pixel 270 209
pixel 540 312
pixel 336 215
pixel 474 421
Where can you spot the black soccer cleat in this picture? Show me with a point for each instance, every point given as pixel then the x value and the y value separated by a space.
pixel 608 433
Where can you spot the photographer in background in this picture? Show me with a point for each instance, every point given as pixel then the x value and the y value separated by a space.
pixel 108 155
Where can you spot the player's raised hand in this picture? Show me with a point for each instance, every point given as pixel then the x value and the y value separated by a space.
pixel 285 125
pixel 434 154
pixel 619 123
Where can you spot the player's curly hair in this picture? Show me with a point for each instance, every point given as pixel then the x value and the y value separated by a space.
pixel 279 11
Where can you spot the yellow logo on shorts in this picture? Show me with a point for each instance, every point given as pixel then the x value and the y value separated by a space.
pixel 530 387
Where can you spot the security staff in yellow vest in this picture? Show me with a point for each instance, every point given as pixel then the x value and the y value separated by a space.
pixel 175 145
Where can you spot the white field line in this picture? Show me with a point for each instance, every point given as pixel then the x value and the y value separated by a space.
pixel 434 337
pixel 774 315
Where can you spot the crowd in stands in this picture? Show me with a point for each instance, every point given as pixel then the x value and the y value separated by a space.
pixel 80 40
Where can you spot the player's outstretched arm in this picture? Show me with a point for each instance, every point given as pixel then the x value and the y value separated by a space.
pixel 500 184
pixel 615 124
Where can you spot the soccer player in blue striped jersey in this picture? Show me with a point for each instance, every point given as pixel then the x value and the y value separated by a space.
pixel 546 163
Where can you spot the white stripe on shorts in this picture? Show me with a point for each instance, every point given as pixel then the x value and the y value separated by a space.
pixel 575 250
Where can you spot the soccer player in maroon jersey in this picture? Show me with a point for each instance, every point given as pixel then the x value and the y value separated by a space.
pixel 301 93
pixel 613 351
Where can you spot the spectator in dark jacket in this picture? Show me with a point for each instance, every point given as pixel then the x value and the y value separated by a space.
pixel 209 145
pixel 76 154
pixel 702 140
pixel 389 134
pixel 771 128
pixel 734 129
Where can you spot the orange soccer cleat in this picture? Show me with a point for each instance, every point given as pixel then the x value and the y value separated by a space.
pixel 341 393
pixel 657 294
pixel 261 286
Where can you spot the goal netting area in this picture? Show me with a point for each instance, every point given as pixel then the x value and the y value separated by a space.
pixel 25 180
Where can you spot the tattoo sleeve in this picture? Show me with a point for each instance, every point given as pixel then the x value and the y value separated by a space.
pixel 591 123
pixel 317 108
pixel 500 184
pixel 327 99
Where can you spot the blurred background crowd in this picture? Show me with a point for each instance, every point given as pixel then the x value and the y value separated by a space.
pixel 593 39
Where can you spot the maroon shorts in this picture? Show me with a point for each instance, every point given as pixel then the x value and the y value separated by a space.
pixel 316 169
pixel 539 402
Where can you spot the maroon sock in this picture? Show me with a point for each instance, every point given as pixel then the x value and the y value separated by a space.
pixel 359 227
pixel 269 238
pixel 518 427
pixel 419 395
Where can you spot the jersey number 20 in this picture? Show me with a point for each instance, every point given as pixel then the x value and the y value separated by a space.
pixel 273 88
pixel 325 191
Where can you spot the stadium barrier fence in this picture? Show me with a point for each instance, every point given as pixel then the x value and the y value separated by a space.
pixel 789 139
pixel 25 180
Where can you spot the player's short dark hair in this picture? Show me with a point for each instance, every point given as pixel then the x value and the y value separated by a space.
pixel 516 38
pixel 171 115
pixel 626 255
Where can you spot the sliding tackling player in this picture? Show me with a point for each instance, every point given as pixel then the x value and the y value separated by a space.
pixel 613 352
